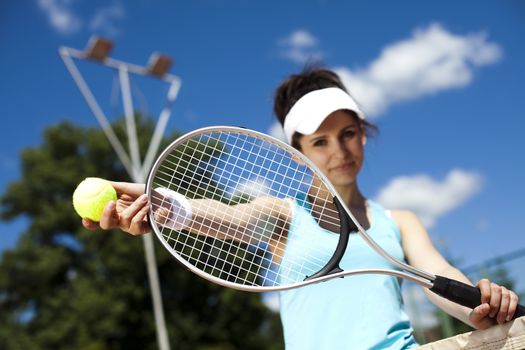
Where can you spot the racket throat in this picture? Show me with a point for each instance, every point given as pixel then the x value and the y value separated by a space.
pixel 322 273
pixel 347 226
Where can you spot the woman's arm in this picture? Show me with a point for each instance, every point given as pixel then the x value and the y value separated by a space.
pixel 222 221
pixel 498 304
pixel 209 217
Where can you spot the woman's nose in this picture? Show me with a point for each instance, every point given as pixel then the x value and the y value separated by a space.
pixel 341 149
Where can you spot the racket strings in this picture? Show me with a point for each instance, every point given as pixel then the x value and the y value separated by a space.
pixel 251 268
pixel 278 252
pixel 258 218
pixel 212 264
pixel 223 167
pixel 209 261
pixel 320 265
pixel 266 259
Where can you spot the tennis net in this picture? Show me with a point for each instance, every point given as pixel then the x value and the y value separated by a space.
pixel 509 336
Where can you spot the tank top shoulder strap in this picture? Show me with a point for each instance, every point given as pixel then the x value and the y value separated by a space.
pixel 382 216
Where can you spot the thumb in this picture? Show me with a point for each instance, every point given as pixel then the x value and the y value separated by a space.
pixel 479 316
pixel 110 217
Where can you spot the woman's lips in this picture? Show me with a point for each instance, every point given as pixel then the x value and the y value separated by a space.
pixel 343 166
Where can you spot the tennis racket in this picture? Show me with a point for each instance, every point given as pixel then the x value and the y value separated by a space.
pixel 247 211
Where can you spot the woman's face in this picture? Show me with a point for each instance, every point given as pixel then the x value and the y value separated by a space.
pixel 337 148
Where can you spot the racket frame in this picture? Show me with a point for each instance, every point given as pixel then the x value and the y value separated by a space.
pixel 331 269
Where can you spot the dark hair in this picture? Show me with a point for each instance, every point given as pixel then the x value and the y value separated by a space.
pixel 311 78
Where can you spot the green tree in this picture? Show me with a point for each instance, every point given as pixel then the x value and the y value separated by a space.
pixel 63 287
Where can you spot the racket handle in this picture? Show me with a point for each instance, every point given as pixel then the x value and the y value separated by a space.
pixel 463 294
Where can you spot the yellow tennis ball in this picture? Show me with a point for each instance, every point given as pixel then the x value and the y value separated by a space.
pixel 91 196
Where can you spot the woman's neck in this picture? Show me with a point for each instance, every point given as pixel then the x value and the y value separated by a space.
pixel 352 197
pixel 356 202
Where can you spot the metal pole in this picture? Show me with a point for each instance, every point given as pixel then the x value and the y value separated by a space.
pixel 160 127
pixel 96 110
pixel 133 166
pixel 130 121
pixel 153 276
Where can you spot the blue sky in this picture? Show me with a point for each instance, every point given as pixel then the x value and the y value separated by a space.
pixel 443 80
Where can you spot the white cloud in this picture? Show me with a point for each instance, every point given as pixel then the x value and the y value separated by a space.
pixel 251 188
pixel 64 20
pixel 104 19
pixel 277 131
pixel 300 47
pixel 300 39
pixel 432 60
pixel 429 198
pixel 61 16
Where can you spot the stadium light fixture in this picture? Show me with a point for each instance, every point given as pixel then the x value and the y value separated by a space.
pixel 159 64
pixel 98 50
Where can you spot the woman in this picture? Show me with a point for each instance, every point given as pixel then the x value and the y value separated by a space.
pixel 323 121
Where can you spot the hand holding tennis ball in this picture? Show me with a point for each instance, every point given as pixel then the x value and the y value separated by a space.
pixel 91 196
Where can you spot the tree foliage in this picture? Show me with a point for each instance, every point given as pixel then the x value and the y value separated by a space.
pixel 63 287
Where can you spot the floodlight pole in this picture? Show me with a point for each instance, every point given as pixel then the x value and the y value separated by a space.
pixel 137 171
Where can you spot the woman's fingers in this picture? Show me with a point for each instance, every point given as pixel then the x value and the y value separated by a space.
pixel 491 293
pixel 513 305
pixel 132 189
pixel 129 213
pixel 504 305
pixel 139 224
pixel 501 302
pixel 495 299
pixel 110 217
pixel 129 221
pixel 90 225
pixel 479 316
pixel 484 288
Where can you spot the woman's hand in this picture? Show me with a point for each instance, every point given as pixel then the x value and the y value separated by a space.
pixel 129 213
pixel 498 305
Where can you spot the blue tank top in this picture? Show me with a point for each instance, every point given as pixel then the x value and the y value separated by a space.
pixel 356 312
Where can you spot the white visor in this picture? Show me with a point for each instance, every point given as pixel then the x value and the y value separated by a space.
pixel 311 110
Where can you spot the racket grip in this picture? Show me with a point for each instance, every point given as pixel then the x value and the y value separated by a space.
pixel 463 294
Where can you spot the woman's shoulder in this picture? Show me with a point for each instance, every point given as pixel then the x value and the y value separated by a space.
pixel 400 216
pixel 392 213
pixel 405 219
pixel 403 214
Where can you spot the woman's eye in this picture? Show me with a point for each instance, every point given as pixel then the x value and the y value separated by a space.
pixel 319 143
pixel 349 133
